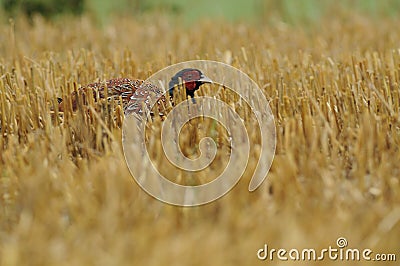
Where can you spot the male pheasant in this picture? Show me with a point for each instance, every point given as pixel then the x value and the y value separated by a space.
pixel 136 93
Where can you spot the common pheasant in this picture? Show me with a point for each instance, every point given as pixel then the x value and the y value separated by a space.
pixel 136 93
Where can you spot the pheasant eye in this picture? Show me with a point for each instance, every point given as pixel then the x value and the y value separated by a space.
pixel 191 76
pixel 187 76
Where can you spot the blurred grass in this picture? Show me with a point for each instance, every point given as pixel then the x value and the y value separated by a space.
pixel 288 11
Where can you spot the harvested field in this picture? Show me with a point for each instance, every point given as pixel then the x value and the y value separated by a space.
pixel 67 196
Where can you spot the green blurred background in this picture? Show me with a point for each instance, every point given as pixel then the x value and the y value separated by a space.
pixel 289 11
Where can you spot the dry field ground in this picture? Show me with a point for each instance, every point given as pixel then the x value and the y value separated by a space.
pixel 66 194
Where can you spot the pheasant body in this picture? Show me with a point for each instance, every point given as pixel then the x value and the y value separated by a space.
pixel 136 94
pixel 132 92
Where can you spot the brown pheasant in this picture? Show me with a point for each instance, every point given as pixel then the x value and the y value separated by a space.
pixel 135 93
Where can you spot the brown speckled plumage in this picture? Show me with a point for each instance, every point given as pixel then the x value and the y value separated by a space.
pixel 135 94
pixel 132 94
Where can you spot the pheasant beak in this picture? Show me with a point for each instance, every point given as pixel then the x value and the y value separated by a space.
pixel 205 79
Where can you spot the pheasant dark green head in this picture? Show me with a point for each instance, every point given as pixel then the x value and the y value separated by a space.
pixel 191 78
